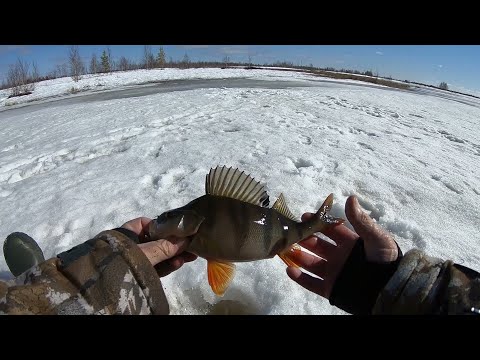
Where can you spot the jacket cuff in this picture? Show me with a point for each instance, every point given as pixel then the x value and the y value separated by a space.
pixel 129 233
pixel 114 275
pixel 141 268
pixel 415 286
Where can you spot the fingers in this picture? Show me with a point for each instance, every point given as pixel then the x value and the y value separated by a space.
pixel 163 249
pixel 314 244
pixel 307 216
pixel 314 264
pixel 341 234
pixel 319 247
pixel 144 222
pixel 379 243
pixel 170 265
pixel 139 226
pixel 308 282
pixel 187 256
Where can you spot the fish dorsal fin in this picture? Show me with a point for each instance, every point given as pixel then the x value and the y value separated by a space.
pixel 281 206
pixel 235 184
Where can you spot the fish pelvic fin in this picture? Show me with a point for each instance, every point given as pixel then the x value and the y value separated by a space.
pixel 323 218
pixel 290 254
pixel 235 184
pixel 220 275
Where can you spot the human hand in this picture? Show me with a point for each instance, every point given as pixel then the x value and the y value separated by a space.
pixel 379 248
pixel 166 255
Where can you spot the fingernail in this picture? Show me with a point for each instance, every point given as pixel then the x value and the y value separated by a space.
pixel 358 208
pixel 356 204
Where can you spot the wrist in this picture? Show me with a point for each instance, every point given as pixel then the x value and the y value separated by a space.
pixel 360 281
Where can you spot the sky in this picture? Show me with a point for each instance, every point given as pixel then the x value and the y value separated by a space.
pixel 457 65
pixel 69 170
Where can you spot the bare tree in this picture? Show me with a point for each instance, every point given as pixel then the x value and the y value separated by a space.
pixel 94 66
pixel 18 78
pixel 186 60
pixel 110 59
pixel 148 58
pixel 123 64
pixel 52 74
pixel 161 57
pixel 75 62
pixel 132 65
pixel 35 73
pixel 62 70
pixel 14 80
pixel 226 60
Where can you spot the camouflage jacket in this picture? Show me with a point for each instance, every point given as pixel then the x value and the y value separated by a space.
pixel 426 285
pixel 108 274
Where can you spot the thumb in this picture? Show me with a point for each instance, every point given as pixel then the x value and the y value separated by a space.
pixel 379 244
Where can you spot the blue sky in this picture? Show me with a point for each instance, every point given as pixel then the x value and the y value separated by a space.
pixel 458 65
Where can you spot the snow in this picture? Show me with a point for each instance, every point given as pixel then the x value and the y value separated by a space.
pixel 69 171
pixel 101 82
pixel 91 83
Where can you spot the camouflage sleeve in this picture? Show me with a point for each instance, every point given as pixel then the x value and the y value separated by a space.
pixel 428 285
pixel 108 274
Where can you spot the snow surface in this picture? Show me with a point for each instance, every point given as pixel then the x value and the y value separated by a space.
pixel 102 82
pixel 68 172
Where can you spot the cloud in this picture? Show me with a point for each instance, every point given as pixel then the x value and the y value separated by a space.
pixel 379 53
pixel 440 66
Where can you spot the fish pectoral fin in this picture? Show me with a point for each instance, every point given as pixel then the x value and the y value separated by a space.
pixel 288 255
pixel 220 275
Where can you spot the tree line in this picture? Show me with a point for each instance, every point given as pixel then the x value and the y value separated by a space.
pixel 22 76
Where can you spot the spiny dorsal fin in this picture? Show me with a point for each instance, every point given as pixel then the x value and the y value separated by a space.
pixel 235 184
pixel 281 206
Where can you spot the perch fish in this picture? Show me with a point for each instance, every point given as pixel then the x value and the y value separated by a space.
pixel 233 223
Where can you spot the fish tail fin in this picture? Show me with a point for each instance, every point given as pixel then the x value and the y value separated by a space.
pixel 289 255
pixel 323 219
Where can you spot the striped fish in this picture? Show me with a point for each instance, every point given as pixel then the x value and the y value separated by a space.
pixel 232 223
